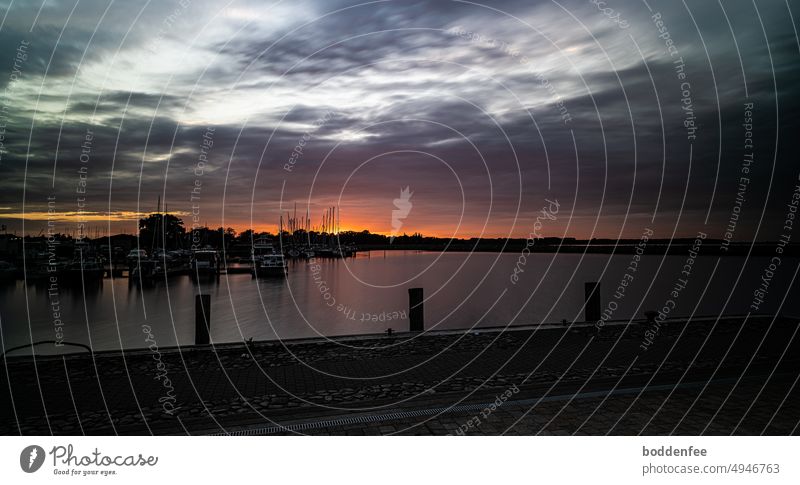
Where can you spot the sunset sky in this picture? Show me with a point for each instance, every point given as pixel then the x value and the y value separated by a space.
pixel 484 110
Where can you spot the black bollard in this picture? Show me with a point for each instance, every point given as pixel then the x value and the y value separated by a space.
pixel 416 314
pixel 593 301
pixel 202 319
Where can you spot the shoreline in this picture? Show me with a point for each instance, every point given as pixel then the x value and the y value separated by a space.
pixel 218 390
pixel 369 337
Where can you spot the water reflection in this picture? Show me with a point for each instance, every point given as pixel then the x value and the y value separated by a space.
pixel 364 295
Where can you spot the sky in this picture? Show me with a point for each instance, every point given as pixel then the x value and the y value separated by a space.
pixel 618 116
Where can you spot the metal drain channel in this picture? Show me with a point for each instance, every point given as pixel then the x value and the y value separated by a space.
pixel 461 408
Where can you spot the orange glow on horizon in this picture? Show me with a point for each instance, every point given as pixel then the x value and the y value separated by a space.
pixel 126 222
pixel 82 216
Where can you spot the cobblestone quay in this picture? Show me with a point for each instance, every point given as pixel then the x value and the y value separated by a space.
pixel 704 376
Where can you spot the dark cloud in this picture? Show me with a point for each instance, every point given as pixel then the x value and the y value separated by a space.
pixel 396 77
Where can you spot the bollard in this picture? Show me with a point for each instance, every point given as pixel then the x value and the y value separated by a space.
pixel 416 314
pixel 593 301
pixel 202 319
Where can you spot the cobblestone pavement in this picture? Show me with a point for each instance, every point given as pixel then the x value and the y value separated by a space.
pixel 682 412
pixel 390 385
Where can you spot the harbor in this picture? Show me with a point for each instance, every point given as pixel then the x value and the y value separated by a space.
pixel 368 294
pixel 164 249
pixel 334 346
pixel 309 331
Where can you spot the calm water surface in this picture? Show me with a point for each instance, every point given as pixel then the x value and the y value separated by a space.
pixel 369 294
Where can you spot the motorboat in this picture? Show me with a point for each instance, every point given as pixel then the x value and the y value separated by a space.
pixel 85 265
pixel 267 261
pixel 205 262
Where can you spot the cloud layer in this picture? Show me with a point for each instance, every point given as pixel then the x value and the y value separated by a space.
pixel 483 110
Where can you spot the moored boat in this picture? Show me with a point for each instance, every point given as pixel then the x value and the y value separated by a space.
pixel 267 261
pixel 205 262
pixel 85 265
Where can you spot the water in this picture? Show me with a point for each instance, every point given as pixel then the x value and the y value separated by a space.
pixel 369 294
